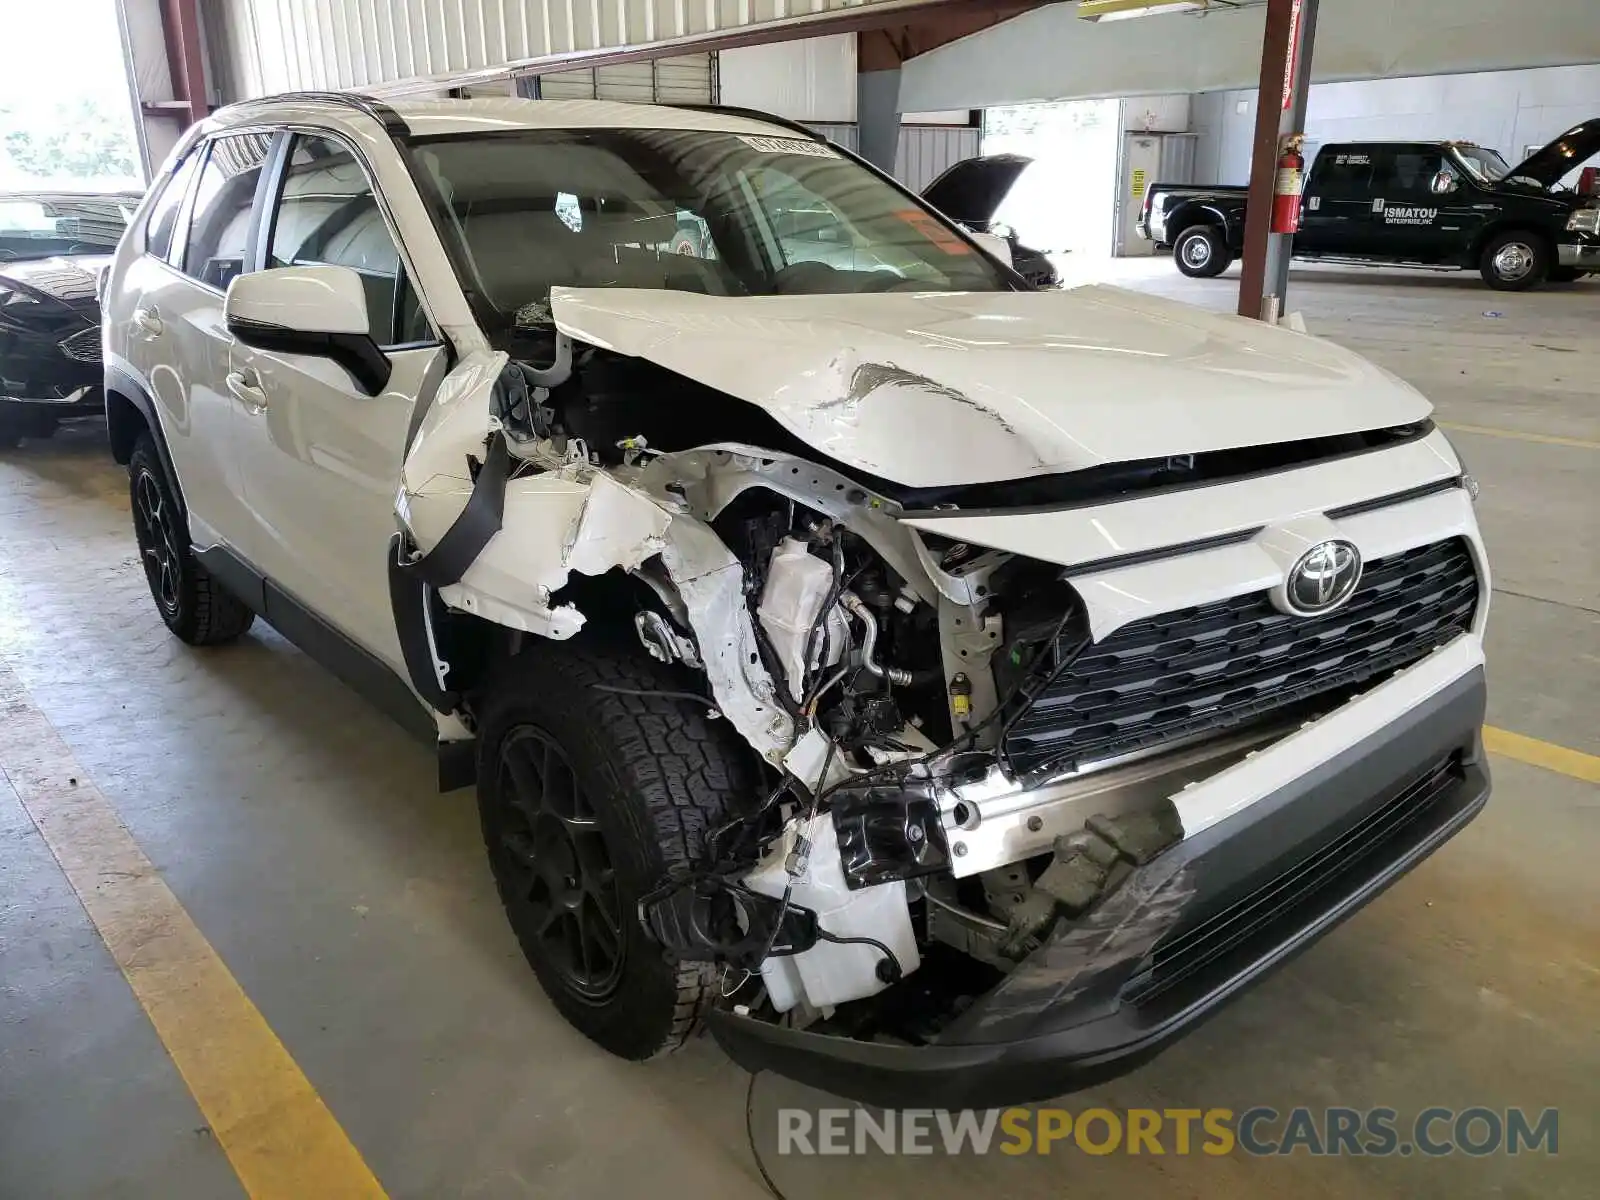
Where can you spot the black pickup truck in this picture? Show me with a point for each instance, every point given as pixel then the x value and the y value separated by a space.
pixel 1418 204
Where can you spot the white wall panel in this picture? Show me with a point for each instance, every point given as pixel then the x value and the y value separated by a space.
pixel 924 152
pixel 1050 54
pixel 1504 110
pixel 287 45
pixel 809 80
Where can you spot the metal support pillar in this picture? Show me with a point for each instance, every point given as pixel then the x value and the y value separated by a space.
pixel 1280 114
pixel 180 22
pixel 878 117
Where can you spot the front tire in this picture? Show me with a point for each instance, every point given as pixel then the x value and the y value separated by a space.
pixel 194 606
pixel 589 800
pixel 1515 261
pixel 1201 252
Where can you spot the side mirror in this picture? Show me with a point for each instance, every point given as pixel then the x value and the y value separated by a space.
pixel 994 246
pixel 1443 183
pixel 316 310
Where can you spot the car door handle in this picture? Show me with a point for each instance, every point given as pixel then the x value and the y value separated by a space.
pixel 147 320
pixel 247 391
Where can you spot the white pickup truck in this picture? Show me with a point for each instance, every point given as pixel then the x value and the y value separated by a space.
pixel 948 690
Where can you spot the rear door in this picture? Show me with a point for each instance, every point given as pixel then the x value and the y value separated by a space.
pixel 321 458
pixel 198 239
pixel 1336 213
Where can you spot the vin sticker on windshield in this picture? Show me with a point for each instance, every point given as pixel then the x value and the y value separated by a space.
pixel 781 145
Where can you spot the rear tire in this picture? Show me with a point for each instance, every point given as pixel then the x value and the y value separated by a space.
pixel 1515 261
pixel 1201 252
pixel 194 606
pixel 588 801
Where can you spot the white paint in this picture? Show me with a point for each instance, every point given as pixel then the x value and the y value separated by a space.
pixel 1092 533
pixel 311 299
pixel 1049 54
pixel 1032 382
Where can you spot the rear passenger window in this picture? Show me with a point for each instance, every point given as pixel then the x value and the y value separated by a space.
pixel 164 214
pixel 327 214
pixel 218 248
pixel 1344 173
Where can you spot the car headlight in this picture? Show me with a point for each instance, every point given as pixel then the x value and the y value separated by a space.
pixel 1585 220
pixel 1469 481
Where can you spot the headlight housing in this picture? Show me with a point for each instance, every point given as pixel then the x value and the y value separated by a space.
pixel 1585 220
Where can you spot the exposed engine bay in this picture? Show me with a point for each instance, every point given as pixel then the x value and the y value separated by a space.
pixel 922 817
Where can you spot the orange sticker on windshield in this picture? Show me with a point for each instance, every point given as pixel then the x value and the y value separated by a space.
pixel 937 233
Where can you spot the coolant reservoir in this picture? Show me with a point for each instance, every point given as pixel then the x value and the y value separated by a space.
pixel 798 583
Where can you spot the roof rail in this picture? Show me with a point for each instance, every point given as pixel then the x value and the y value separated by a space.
pixel 754 114
pixel 393 123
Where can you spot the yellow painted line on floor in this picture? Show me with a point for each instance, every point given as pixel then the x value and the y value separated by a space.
pixel 1542 754
pixel 279 1137
pixel 1548 439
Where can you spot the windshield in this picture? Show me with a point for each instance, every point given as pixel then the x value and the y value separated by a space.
pixel 44 226
pixel 1484 165
pixel 686 210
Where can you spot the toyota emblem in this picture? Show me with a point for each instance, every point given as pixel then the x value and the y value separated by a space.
pixel 1323 578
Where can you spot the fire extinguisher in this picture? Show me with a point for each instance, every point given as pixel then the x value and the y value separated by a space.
pixel 1286 189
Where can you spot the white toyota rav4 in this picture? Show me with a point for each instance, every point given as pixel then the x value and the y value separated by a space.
pixel 949 691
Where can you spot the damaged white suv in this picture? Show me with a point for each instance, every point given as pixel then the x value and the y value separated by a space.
pixel 948 690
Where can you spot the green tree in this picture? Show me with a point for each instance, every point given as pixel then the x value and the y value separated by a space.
pixel 72 139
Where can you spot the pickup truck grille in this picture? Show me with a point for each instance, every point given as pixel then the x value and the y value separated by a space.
pixel 1222 665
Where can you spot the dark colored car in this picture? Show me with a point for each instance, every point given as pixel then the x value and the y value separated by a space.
pixel 973 190
pixel 1446 205
pixel 52 248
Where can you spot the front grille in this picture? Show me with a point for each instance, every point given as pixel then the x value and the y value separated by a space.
pixel 1222 665
pixel 1308 886
pixel 83 346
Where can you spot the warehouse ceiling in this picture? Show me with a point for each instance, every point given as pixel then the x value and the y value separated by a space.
pixel 1050 54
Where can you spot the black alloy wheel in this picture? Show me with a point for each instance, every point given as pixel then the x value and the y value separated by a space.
pixel 553 849
pixel 158 542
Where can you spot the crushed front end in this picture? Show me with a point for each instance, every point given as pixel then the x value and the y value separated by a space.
pixel 1055 765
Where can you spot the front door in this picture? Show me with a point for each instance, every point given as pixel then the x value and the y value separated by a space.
pixel 321 458
pixel 1412 222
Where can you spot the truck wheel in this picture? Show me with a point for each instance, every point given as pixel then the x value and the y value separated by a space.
pixel 1565 274
pixel 588 800
pixel 1515 261
pixel 1201 252
pixel 192 603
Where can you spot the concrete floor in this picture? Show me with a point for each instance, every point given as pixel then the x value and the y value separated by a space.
pixel 352 902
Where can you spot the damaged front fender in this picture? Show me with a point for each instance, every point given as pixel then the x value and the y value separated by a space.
pixel 561 514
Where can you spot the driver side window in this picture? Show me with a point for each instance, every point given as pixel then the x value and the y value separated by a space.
pixel 326 213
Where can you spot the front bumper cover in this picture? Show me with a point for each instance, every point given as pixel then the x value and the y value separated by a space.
pixel 1180 937
pixel 1583 255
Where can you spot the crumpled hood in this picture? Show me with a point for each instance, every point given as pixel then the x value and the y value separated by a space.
pixel 930 389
